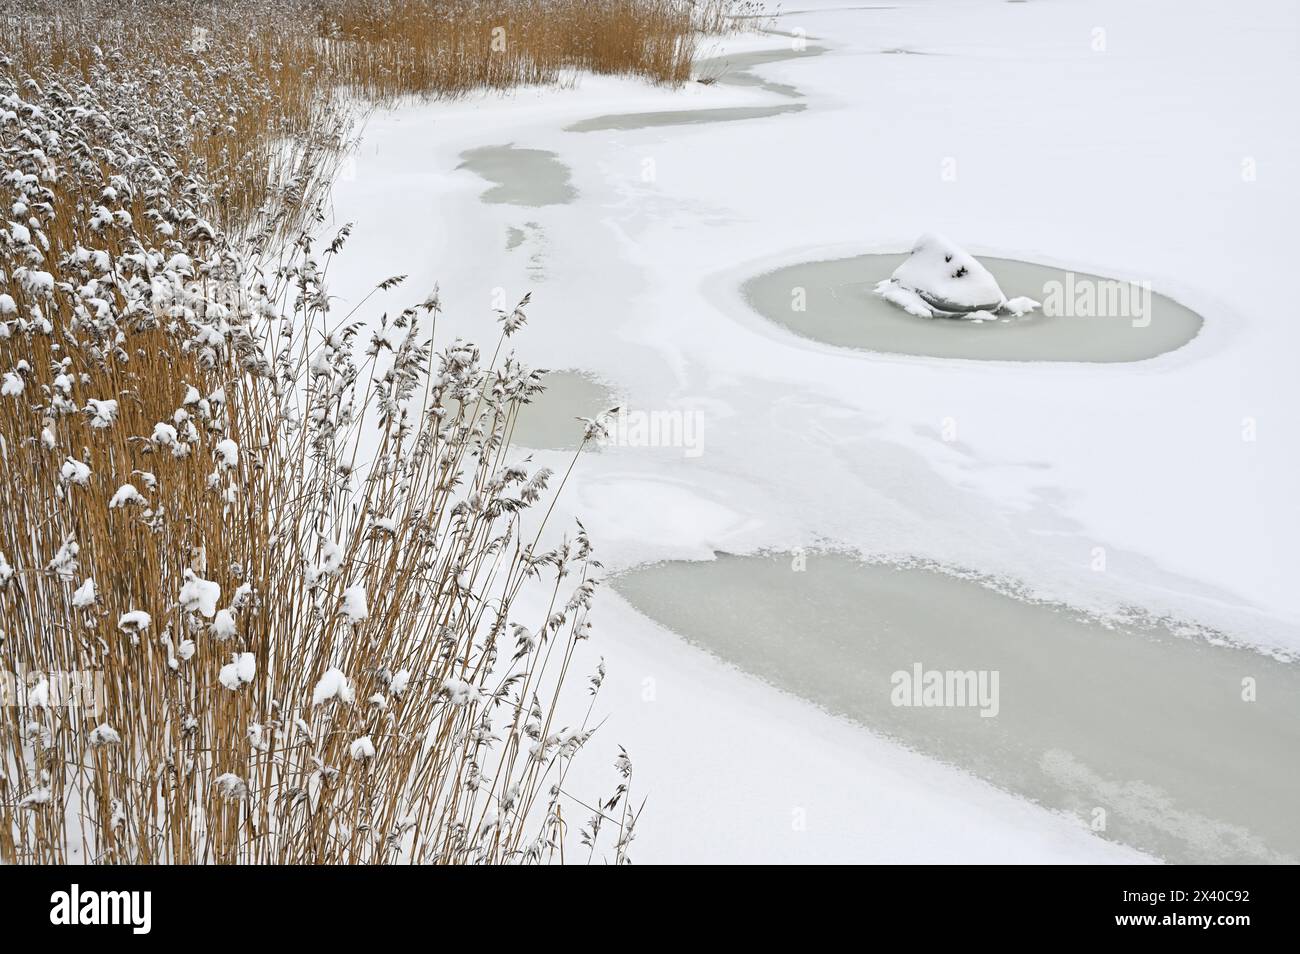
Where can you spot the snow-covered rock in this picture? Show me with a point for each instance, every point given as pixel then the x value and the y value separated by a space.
pixel 941 279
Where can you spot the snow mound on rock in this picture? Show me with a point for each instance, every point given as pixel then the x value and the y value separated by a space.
pixel 941 279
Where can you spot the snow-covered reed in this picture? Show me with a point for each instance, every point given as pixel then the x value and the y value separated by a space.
pixel 253 86
pixel 288 545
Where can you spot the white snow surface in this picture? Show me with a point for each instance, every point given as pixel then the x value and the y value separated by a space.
pixel 1146 160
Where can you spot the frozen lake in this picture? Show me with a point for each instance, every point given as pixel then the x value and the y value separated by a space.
pixel 663 233
pixel 1133 726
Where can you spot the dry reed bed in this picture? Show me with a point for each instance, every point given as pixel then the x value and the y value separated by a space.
pixel 290 549
pixel 245 77
pixel 302 659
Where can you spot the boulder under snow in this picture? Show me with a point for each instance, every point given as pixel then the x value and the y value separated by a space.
pixel 941 280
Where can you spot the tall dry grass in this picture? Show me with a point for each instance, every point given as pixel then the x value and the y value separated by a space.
pixel 290 563
pixel 248 82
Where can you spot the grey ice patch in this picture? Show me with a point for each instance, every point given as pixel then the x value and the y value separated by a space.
pixel 680 117
pixel 527 177
pixel 551 420
pixel 1182 766
pixel 838 306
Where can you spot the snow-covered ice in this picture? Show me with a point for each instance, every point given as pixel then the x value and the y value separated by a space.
pixel 1174 474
